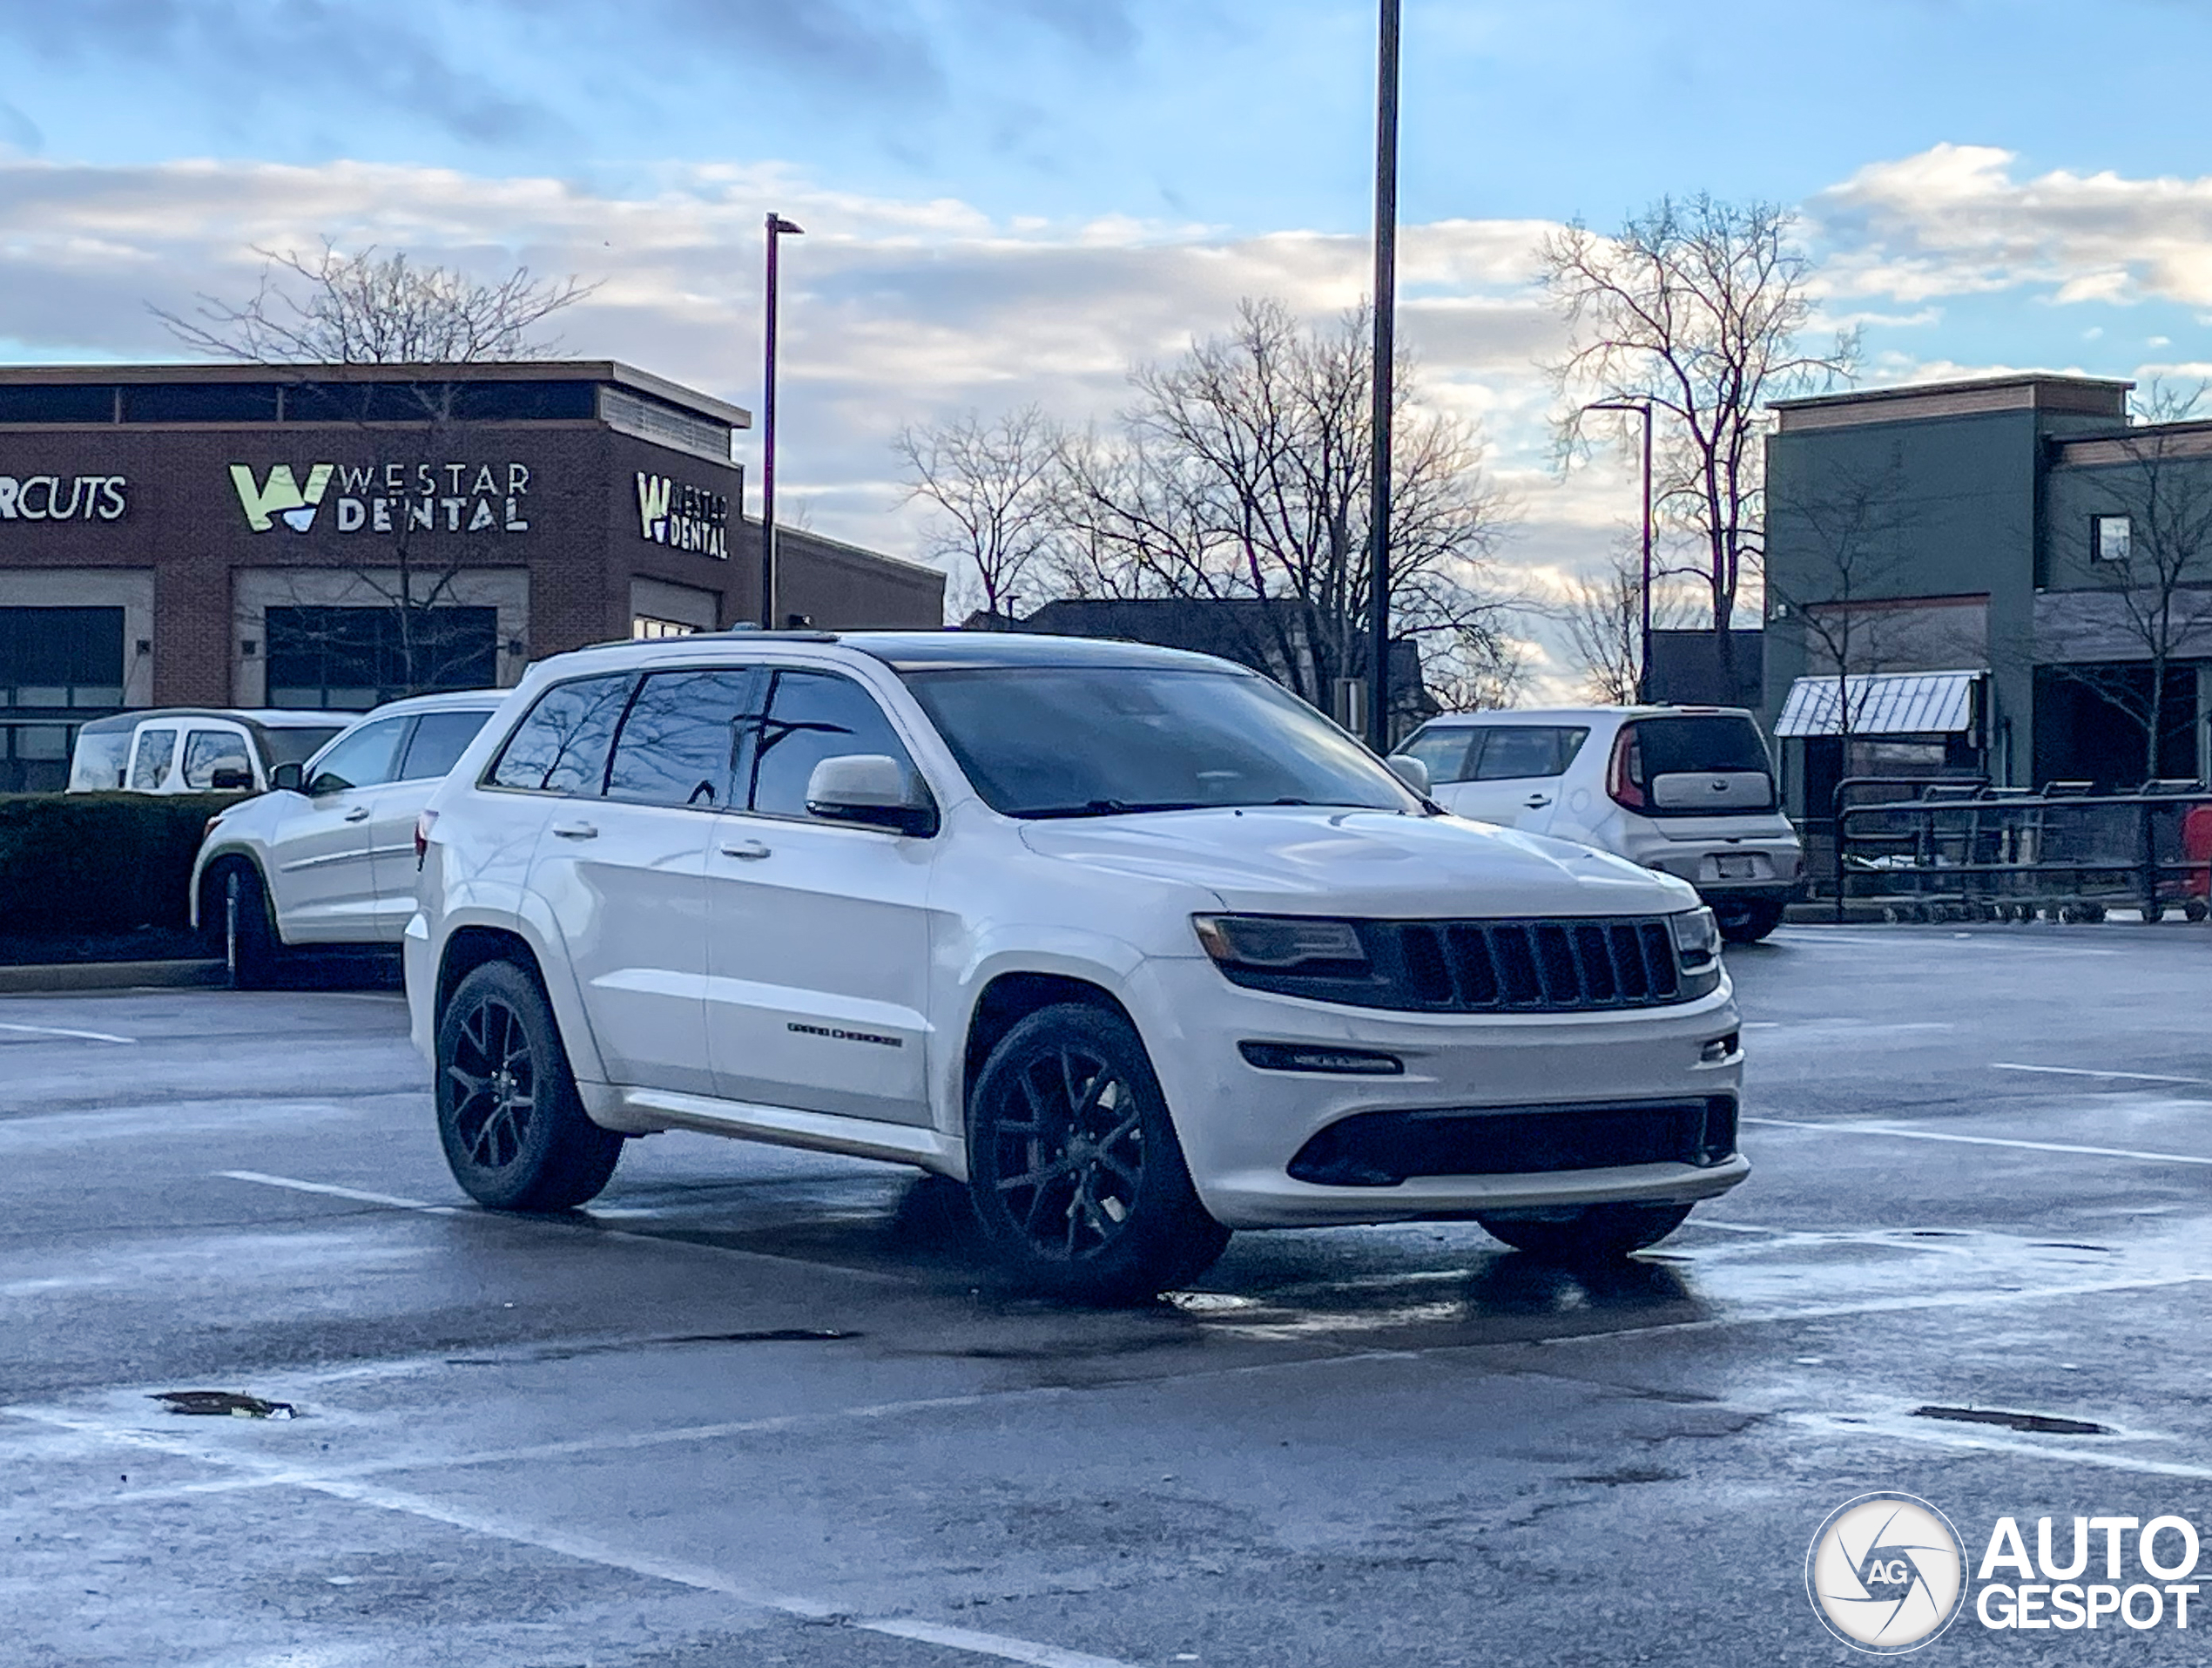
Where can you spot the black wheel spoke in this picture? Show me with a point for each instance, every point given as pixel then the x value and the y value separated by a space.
pixel 1035 1178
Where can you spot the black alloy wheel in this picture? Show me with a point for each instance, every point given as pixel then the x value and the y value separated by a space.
pixel 514 1133
pixel 494 1083
pixel 234 914
pixel 1073 1164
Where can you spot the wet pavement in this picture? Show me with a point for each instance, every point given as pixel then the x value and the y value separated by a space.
pixel 764 1406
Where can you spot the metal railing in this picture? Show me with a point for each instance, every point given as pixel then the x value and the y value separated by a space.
pixel 1963 851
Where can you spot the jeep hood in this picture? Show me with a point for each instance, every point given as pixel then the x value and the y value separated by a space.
pixel 1294 859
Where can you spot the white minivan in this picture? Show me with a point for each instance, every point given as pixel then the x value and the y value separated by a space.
pixel 1689 790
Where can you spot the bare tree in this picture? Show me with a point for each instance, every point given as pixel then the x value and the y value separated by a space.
pixel 1477 673
pixel 1239 475
pixel 331 308
pixel 2152 569
pixel 1603 619
pixel 1847 557
pixel 367 309
pixel 1702 308
pixel 991 484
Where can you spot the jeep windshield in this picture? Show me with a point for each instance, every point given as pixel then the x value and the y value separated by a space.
pixel 1088 741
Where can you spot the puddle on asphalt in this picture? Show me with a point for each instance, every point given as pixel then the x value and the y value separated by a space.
pixel 624 1346
pixel 2039 1424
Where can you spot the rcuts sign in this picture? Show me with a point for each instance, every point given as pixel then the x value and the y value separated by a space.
pixel 389 499
pixel 690 518
pixel 62 498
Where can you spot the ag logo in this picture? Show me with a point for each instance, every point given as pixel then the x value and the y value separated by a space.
pixel 1885 1573
pixel 281 497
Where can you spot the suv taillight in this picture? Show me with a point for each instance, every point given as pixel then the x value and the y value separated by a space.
pixel 422 825
pixel 1620 786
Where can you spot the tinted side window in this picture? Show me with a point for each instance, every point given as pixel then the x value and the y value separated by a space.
pixel 1445 749
pixel 150 763
pixel 209 751
pixel 439 739
pixel 364 759
pixel 1513 750
pixel 679 744
pixel 813 716
pixel 562 745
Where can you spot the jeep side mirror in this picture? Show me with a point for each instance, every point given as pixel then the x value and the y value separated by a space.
pixel 1409 771
pixel 874 790
pixel 287 779
pixel 229 779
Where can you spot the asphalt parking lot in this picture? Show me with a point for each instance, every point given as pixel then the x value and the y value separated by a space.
pixel 758 1407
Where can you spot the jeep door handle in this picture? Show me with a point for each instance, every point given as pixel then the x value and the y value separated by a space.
pixel 1536 801
pixel 574 831
pixel 359 814
pixel 751 851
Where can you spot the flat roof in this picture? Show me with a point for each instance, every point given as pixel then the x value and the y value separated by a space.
pixel 2095 397
pixel 611 371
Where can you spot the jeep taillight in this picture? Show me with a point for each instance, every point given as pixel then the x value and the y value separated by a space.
pixel 422 825
pixel 1620 775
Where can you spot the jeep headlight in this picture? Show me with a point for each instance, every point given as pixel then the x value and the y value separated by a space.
pixel 1278 942
pixel 1697 950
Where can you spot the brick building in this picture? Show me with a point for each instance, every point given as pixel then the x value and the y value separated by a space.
pixel 335 535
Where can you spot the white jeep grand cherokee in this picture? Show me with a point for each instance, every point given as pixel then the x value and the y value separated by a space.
pixel 1130 941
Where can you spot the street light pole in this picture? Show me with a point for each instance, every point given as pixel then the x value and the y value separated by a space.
pixel 1385 357
pixel 777 227
pixel 1642 408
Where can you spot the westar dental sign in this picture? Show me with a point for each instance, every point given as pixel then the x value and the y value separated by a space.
pixel 388 497
pixel 41 498
pixel 690 518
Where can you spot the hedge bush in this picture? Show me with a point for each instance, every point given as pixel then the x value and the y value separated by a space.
pixel 96 863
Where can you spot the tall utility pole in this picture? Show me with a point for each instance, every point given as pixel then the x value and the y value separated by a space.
pixel 777 227
pixel 1385 355
pixel 1644 651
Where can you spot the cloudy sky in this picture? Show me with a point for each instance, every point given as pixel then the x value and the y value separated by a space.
pixel 1013 199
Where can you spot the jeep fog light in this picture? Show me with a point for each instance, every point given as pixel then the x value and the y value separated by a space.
pixel 1301 1057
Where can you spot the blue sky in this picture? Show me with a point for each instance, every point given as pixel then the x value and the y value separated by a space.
pixel 1011 200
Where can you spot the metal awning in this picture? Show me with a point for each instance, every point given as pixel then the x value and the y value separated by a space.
pixel 1882 703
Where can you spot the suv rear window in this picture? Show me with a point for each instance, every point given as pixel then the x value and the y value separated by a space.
pixel 562 745
pixel 1722 744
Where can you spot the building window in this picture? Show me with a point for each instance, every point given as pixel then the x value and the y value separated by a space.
pixel 2111 538
pixel 354 659
pixel 52 657
pixel 645 626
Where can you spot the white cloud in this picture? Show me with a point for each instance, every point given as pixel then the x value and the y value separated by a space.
pixel 895 311
pixel 1958 220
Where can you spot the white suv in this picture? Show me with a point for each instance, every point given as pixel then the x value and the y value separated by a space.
pixel 327 858
pixel 1130 941
pixel 1680 790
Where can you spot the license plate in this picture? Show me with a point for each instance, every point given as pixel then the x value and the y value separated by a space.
pixel 1736 868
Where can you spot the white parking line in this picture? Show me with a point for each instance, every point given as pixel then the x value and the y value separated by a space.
pixel 328 1189
pixel 564 1543
pixel 63 1031
pixel 2078 1071
pixel 666 1242
pixel 1980 1140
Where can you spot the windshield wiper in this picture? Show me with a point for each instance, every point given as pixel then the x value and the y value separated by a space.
pixel 1114 808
